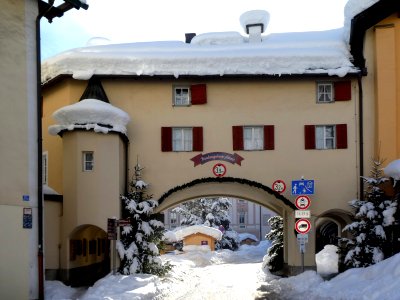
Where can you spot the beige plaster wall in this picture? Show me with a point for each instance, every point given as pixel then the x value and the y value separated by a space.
pixel 18 254
pixel 387 51
pixel 90 197
pixel 52 223
pixel 288 105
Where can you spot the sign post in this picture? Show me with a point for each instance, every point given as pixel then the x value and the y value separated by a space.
pixel 112 225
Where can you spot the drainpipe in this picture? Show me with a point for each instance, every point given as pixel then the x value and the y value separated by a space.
pixel 39 152
pixel 361 134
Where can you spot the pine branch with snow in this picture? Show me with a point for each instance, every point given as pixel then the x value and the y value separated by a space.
pixel 138 248
pixel 373 220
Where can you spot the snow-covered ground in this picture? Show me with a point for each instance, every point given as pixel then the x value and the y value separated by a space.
pixel 232 275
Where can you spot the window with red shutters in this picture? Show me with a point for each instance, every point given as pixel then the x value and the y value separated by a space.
pixel 268 142
pixel 309 137
pixel 269 137
pixel 167 138
pixel 197 138
pixel 237 136
pixel 341 136
pixel 198 94
pixel 342 90
pixel 322 140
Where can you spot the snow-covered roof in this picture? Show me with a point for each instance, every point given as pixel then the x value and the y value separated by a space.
pixel 90 114
pixel 215 54
pixel 245 235
pixel 186 231
pixel 218 53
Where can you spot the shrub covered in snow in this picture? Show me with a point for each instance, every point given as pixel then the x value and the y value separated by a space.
pixel 138 245
pixel 274 257
pixel 374 216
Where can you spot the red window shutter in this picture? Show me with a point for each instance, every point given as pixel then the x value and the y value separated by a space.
pixel 309 137
pixel 197 138
pixel 342 90
pixel 166 139
pixel 198 94
pixel 341 136
pixel 269 137
pixel 237 136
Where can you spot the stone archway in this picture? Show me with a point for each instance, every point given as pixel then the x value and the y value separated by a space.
pixel 243 189
pixel 89 255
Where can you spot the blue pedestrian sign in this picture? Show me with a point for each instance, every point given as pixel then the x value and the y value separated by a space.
pixel 302 187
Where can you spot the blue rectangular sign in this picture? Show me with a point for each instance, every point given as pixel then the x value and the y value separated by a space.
pixel 302 187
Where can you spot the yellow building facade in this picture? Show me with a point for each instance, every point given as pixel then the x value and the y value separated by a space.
pixel 303 137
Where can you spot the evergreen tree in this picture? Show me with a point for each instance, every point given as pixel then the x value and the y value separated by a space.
pixel 212 212
pixel 374 216
pixel 274 260
pixel 138 245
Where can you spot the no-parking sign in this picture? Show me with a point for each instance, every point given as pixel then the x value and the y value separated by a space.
pixel 302 226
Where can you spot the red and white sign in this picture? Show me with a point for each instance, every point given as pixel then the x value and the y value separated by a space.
pixel 302 202
pixel 303 226
pixel 219 170
pixel 279 186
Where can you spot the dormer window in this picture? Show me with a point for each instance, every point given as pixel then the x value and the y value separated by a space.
pixel 186 95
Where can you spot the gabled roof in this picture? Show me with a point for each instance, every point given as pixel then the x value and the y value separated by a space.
pixel 365 20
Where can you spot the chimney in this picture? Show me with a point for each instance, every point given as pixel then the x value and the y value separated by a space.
pixel 254 23
pixel 189 37
pixel 254 31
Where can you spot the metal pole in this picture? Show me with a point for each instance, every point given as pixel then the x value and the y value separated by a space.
pixel 302 259
pixel 114 257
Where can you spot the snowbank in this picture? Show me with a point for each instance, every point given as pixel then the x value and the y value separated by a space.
pixel 90 114
pixel 185 231
pixel 393 169
pixel 327 260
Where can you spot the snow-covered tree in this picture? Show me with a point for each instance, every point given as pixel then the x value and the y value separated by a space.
pixel 374 216
pixel 274 259
pixel 212 212
pixel 138 245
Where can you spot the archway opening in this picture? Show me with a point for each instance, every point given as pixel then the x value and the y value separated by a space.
pixel 89 255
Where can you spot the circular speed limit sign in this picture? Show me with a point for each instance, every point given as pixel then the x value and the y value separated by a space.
pixel 219 170
pixel 279 186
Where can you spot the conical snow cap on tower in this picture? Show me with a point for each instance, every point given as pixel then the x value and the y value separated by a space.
pixel 93 111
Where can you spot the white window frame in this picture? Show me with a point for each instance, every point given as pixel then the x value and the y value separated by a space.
pixel 87 165
pixel 242 215
pixel 182 139
pixel 181 99
pixel 253 137
pixel 45 168
pixel 324 140
pixel 325 92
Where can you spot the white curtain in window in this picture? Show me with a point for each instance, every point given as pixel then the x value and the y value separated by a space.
pixel 182 139
pixel 253 138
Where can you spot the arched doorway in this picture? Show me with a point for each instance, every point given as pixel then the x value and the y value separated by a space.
pixel 89 255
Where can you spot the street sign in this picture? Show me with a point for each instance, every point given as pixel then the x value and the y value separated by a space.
pixel 279 186
pixel 302 202
pixel 302 187
pixel 302 226
pixel 122 222
pixel 300 214
pixel 219 170
pixel 302 238
pixel 112 229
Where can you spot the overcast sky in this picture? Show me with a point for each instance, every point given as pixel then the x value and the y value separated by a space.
pixel 122 21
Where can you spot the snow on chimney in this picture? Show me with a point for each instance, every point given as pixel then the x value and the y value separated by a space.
pixel 254 22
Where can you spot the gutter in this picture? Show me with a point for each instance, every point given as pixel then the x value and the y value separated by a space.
pixel 39 111
pixel 361 135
